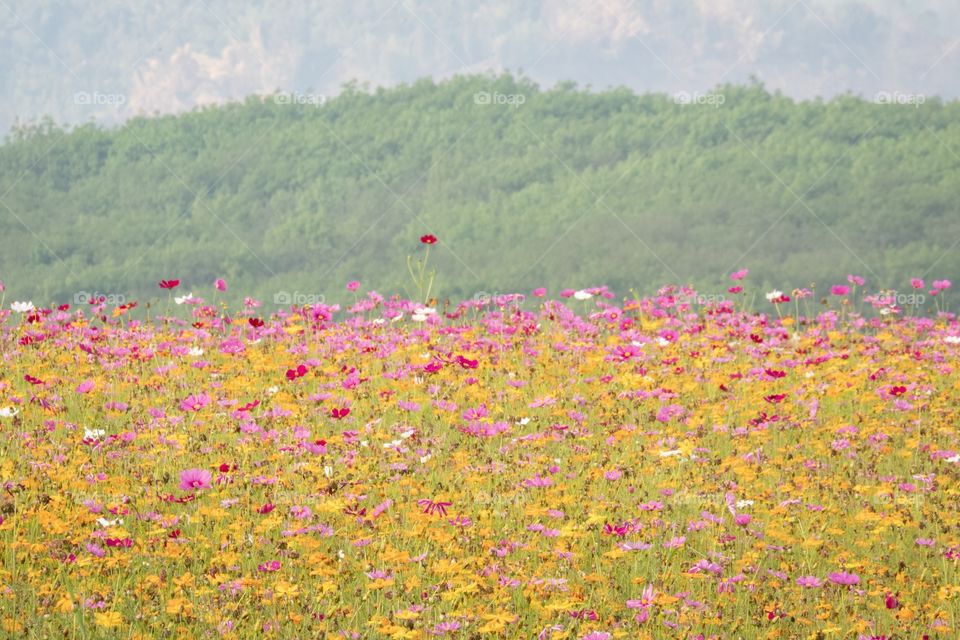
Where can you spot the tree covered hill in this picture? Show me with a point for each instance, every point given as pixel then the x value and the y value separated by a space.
pixel 525 187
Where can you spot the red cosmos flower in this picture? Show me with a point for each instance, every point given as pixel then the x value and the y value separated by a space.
pixel 431 507
pixel 774 398
pixel 169 284
pixel 466 363
pixel 299 372
pixel 256 323
pixel 119 542
pixel 355 510
pixel 428 239
pixel 267 508
pixel 338 414
pixel 250 406
pixel 898 390
pixel 32 380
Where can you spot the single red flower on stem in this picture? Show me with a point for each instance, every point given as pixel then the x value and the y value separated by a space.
pixel 337 414
pixel 428 239
pixel 169 284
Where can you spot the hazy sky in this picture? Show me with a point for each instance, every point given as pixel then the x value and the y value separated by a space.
pixel 108 60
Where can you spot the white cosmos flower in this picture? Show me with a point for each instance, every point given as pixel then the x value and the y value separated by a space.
pixel 421 314
pixel 952 339
pixel 93 434
pixel 582 295
pixel 196 351
pixel 272 390
pixel 182 299
pixel 8 412
pixel 672 452
pixel 773 295
pixel 744 503
pixel 954 459
pixel 103 522
pixel 22 307
pixel 662 342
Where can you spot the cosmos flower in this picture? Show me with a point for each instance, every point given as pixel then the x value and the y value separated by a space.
pixel 195 479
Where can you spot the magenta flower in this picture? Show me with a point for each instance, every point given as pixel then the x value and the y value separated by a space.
pixel 269 567
pixel 539 292
pixel 646 599
pixel 220 284
pixel 810 582
pixel 916 283
pixel 844 578
pixel 857 280
pixel 195 402
pixel 839 290
pixel 742 519
pixel 353 285
pixel 85 387
pixel 739 275
pixel 941 285
pixel 192 479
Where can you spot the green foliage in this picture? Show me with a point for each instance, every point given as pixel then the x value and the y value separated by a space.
pixel 568 188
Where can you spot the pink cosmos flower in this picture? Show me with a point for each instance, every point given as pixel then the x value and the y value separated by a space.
pixel 539 292
pixel 353 285
pixel 220 284
pixel 645 601
pixel 844 578
pixel 85 387
pixel 191 479
pixel 917 283
pixel 857 280
pixel 669 412
pixel 839 290
pixel 739 275
pixel 810 582
pixel 195 402
pixel 941 285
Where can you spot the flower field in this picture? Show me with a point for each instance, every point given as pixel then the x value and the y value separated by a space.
pixel 589 466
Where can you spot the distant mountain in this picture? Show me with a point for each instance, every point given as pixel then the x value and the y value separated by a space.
pixel 523 186
pixel 113 59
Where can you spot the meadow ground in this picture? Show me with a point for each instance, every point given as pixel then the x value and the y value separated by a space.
pixel 579 467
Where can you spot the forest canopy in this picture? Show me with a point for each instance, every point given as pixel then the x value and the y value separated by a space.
pixel 524 187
